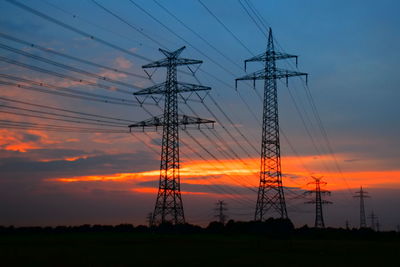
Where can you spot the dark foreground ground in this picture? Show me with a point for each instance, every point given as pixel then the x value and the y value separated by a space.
pixel 193 249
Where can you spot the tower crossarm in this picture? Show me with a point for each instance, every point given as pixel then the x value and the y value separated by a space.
pixel 159 121
pixel 167 62
pixel 181 87
pixel 171 58
pixel 275 73
pixel 269 56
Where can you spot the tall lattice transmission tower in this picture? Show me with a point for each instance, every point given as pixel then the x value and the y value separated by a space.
pixel 318 201
pixel 169 206
pixel 362 194
pixel 270 191
pixel 221 209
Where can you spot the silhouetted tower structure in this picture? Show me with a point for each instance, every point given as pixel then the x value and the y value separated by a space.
pixel 318 201
pixel 169 207
pixel 373 219
pixel 220 209
pixel 270 191
pixel 347 225
pixel 362 194
pixel 149 219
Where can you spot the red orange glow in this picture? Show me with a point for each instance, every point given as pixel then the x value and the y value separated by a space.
pixel 245 172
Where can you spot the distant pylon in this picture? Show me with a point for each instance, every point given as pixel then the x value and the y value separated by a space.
pixel 373 218
pixel 270 191
pixel 169 207
pixel 347 225
pixel 149 219
pixel 362 194
pixel 318 201
pixel 220 209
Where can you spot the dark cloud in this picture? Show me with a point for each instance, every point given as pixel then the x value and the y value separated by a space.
pixel 27 166
pixel 28 137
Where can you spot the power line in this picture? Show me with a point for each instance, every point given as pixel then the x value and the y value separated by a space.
pixel 70 68
pixel 64 110
pixel 64 76
pixel 195 33
pixel 61 91
pixel 181 38
pixel 51 127
pixel 80 32
pixel 225 27
pixel 216 159
pixel 61 24
pixel 74 16
pixel 245 9
pixel 309 97
pixel 127 23
pixel 57 53
pixel 60 115
pixel 55 119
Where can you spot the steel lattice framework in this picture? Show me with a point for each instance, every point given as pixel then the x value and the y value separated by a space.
pixel 169 206
pixel 318 201
pixel 220 209
pixel 362 194
pixel 270 192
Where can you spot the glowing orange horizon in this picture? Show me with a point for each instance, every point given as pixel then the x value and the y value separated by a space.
pixel 245 173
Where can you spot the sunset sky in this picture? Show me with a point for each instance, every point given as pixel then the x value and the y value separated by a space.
pixel 67 156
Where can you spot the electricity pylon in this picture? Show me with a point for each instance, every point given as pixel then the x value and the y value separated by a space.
pixel 318 201
pixel 169 207
pixel 220 209
pixel 149 219
pixel 270 191
pixel 373 217
pixel 362 194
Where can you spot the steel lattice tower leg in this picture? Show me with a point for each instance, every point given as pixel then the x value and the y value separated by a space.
pixel 319 218
pixel 169 207
pixel 270 191
pixel 169 201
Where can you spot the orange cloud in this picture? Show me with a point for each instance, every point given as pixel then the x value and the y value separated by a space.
pixel 123 63
pixel 246 173
pixel 23 141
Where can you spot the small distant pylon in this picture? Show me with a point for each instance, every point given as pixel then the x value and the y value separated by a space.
pixel 318 201
pixel 149 219
pixel 373 219
pixel 347 225
pixel 362 194
pixel 221 209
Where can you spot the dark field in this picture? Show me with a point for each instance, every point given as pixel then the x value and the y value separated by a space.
pixel 197 249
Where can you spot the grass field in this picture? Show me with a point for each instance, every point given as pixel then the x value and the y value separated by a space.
pixel 149 249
